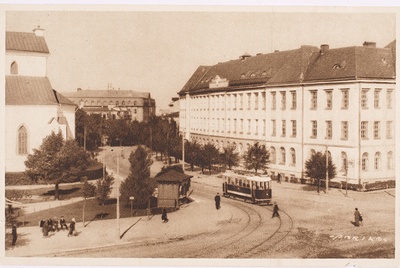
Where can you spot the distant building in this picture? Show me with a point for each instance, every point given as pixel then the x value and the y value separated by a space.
pixel 172 111
pixel 115 104
pixel 173 188
pixel 33 108
pixel 298 102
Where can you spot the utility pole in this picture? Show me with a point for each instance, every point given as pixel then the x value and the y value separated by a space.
pixel 183 151
pixel 327 175
pixel 118 226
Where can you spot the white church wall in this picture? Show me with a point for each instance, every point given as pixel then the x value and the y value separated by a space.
pixel 29 64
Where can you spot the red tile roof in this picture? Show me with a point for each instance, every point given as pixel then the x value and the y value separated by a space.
pixel 173 176
pixel 21 41
pixel 30 90
pixel 306 64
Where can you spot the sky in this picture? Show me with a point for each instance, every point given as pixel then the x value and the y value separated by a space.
pixel 156 51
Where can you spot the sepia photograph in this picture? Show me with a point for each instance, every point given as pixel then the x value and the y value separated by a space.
pixel 199 135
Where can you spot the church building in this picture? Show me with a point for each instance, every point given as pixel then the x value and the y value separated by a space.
pixel 33 108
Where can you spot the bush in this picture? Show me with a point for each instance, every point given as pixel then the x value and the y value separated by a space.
pixel 17 178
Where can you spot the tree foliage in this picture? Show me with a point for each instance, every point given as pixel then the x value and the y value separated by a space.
pixel 229 157
pixel 256 157
pixel 137 184
pixel 210 155
pixel 104 189
pixel 315 167
pixel 56 161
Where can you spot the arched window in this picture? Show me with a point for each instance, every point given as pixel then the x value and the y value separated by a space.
pixel 240 148
pixel 234 146
pixel 283 156
pixel 377 161
pixel 123 103
pixel 364 162
pixel 390 160
pixel 22 140
pixel 111 102
pixel 93 103
pixel 105 103
pixel 292 157
pixel 98 103
pixel 129 103
pixel 117 103
pixel 312 152
pixel 134 103
pixel 343 168
pixel 272 155
pixel 14 68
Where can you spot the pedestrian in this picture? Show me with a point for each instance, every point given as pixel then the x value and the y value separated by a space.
pixel 63 223
pixel 275 211
pixel 45 229
pixel 357 216
pixel 361 219
pixel 55 224
pixel 14 234
pixel 164 216
pixel 217 199
pixel 279 177
pixel 71 228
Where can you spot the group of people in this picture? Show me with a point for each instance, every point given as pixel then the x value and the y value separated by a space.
pixel 53 225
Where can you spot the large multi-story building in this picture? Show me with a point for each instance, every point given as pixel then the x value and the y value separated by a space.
pixel 33 108
pixel 115 104
pixel 299 102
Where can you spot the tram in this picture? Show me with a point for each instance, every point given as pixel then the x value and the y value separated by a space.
pixel 256 189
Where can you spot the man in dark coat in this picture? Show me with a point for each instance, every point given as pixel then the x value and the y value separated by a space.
pixel 164 215
pixel 275 210
pixel 217 199
pixel 14 234
pixel 71 228
pixel 63 223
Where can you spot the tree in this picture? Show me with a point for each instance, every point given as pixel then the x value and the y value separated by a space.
pixel 88 130
pixel 315 167
pixel 256 157
pixel 88 190
pixel 229 157
pixel 104 190
pixel 137 184
pixel 210 155
pixel 192 153
pixel 56 161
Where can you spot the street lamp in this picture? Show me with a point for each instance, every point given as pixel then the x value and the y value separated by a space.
pixel 118 224
pixel 131 198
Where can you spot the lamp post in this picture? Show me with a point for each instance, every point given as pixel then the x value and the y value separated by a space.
pixel 131 198
pixel 118 196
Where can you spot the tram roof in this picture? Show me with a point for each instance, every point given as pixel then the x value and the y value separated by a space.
pixel 250 178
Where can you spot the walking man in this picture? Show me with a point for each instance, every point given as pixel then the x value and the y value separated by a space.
pixel 14 234
pixel 164 216
pixel 357 216
pixel 63 223
pixel 71 228
pixel 279 177
pixel 275 210
pixel 217 199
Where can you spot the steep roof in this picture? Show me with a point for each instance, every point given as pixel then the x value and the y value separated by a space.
pixel 306 64
pixel 31 90
pixel 351 63
pixel 173 176
pixel 20 41
pixel 90 93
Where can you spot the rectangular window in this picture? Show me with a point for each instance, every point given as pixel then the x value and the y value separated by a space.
pixel 314 129
pixel 328 99
pixel 328 130
pixel 234 125
pixel 264 101
pixel 241 101
pixel 364 98
pixel 313 99
pixel 273 122
pixel 248 126
pixel 345 130
pixel 234 101
pixel 228 101
pixel 364 129
pixel 248 101
pixel 256 125
pixel 283 100
pixel 389 98
pixel 273 100
pixel 377 130
pixel 376 98
pixel 294 100
pixel 345 98
pixel 263 127
pixel 217 124
pixel 241 126
pixel 283 128
pixel 228 125
pixel 222 125
pixel 255 101
pixel 294 128
pixel 389 127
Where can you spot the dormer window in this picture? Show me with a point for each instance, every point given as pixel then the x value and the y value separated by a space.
pixel 243 76
pixel 14 68
pixel 253 75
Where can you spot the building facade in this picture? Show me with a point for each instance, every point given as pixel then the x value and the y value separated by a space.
pixel 115 104
pixel 299 102
pixel 33 108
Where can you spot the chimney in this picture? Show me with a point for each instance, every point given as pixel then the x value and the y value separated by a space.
pixel 324 48
pixel 79 89
pixel 276 50
pixel 38 31
pixel 369 44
